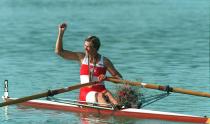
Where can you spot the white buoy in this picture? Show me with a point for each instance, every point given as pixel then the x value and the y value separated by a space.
pixel 6 91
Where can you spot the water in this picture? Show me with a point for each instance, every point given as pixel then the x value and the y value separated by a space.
pixel 157 41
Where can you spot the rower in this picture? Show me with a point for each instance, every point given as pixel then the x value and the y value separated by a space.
pixel 93 68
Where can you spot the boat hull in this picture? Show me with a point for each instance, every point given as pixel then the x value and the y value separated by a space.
pixel 129 112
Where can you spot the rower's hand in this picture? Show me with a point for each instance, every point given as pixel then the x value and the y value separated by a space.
pixel 62 27
pixel 101 78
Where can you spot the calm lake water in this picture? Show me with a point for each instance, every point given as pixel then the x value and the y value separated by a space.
pixel 154 41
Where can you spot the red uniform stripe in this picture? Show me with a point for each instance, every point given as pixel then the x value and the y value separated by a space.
pixel 97 70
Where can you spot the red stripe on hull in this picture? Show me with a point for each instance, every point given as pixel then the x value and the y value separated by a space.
pixel 177 118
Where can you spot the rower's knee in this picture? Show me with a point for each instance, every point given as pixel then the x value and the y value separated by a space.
pixel 109 97
pixel 99 95
pixel 100 98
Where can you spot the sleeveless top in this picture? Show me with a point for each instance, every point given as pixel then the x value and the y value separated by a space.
pixel 99 68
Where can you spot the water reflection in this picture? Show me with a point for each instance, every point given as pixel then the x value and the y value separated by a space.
pixel 87 118
pixel 6 115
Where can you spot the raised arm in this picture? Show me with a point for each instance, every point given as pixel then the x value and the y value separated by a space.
pixel 78 56
pixel 112 70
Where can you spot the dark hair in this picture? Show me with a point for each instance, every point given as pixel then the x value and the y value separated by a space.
pixel 95 41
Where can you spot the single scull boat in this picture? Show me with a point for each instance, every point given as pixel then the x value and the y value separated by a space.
pixel 74 106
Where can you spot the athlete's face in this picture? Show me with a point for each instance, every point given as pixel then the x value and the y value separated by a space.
pixel 89 49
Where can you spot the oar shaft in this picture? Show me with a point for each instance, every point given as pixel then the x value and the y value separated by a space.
pixel 159 87
pixel 63 90
pixel 190 92
pixel 45 94
pixel 20 100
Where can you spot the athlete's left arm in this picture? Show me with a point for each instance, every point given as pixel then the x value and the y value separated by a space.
pixel 112 70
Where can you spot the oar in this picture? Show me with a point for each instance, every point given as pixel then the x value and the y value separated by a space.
pixel 159 87
pixel 45 94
